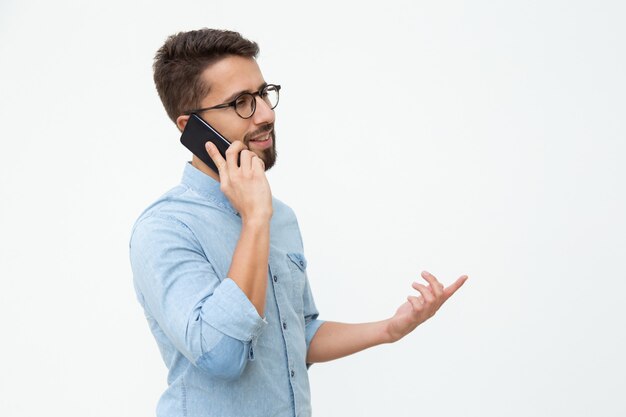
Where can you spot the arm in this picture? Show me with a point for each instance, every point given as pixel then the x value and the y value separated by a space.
pixel 207 318
pixel 211 321
pixel 248 191
pixel 335 340
pixel 248 267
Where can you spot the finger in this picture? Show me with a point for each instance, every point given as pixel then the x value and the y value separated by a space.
pixel 416 302
pixel 257 163
pixel 245 161
pixel 435 285
pixel 232 154
pixel 219 162
pixel 451 289
pixel 425 291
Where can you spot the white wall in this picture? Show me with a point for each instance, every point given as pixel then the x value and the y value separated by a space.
pixel 479 137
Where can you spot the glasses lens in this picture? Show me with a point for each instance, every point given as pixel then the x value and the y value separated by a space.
pixel 245 105
pixel 270 95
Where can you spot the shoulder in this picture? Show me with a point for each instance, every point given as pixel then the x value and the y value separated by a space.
pixel 164 202
pixel 282 210
pixel 285 224
pixel 284 215
pixel 163 216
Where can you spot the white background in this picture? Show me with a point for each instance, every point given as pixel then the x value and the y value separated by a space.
pixel 482 138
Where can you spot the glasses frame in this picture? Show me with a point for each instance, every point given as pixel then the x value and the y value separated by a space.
pixel 233 103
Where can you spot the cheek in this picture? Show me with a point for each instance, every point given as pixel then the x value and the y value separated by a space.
pixel 236 134
pixel 232 130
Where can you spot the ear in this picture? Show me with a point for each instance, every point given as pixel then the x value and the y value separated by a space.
pixel 181 121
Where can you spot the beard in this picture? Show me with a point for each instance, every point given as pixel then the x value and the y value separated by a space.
pixel 268 156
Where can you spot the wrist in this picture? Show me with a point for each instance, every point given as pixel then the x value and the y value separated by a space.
pixel 390 334
pixel 386 333
pixel 256 221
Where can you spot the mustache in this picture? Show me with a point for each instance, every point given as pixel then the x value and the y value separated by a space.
pixel 258 132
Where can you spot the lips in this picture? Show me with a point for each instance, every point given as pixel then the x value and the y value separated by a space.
pixel 262 138
pixel 263 141
pixel 261 134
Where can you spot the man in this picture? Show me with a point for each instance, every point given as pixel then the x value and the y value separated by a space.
pixel 218 262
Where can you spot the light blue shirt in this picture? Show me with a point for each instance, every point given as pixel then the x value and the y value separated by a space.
pixel 223 358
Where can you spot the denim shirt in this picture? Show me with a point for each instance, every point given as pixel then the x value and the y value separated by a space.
pixel 223 358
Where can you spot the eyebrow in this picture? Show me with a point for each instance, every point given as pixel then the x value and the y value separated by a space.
pixel 235 95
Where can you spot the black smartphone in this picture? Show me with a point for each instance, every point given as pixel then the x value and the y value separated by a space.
pixel 195 136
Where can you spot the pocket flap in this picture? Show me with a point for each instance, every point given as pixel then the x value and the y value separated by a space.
pixel 298 259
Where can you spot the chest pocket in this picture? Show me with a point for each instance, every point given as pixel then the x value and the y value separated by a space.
pixel 297 269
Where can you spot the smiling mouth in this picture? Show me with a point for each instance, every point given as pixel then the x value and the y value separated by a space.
pixel 262 138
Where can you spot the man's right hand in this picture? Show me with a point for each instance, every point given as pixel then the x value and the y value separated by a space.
pixel 246 185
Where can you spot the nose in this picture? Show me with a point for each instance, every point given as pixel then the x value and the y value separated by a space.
pixel 263 113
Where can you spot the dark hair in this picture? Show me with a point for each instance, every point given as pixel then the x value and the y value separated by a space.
pixel 183 57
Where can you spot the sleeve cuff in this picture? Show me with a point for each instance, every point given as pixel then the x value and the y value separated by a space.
pixel 232 313
pixel 311 329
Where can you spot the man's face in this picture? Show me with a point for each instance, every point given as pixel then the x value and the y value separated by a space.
pixel 228 78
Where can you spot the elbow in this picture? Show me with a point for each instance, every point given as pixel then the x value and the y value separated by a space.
pixel 222 369
pixel 226 361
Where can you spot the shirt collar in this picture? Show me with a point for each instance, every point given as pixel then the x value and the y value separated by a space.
pixel 206 186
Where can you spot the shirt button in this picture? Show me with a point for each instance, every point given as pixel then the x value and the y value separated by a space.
pixel 284 325
pixel 301 264
pixel 275 278
pixel 292 373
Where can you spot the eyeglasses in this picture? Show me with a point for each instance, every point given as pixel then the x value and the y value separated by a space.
pixel 245 103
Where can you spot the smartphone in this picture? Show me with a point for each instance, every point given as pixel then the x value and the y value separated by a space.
pixel 197 133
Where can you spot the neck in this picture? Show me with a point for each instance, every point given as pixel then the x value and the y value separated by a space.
pixel 198 164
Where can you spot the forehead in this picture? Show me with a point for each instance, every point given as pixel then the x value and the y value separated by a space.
pixel 230 75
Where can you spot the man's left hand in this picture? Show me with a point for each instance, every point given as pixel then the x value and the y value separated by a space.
pixel 417 310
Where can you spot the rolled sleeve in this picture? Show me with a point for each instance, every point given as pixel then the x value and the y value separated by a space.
pixel 310 329
pixel 180 290
pixel 232 313
pixel 227 360
pixel 311 322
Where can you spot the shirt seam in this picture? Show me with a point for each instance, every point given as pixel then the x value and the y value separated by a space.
pixel 209 197
pixel 184 396
pixel 169 217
